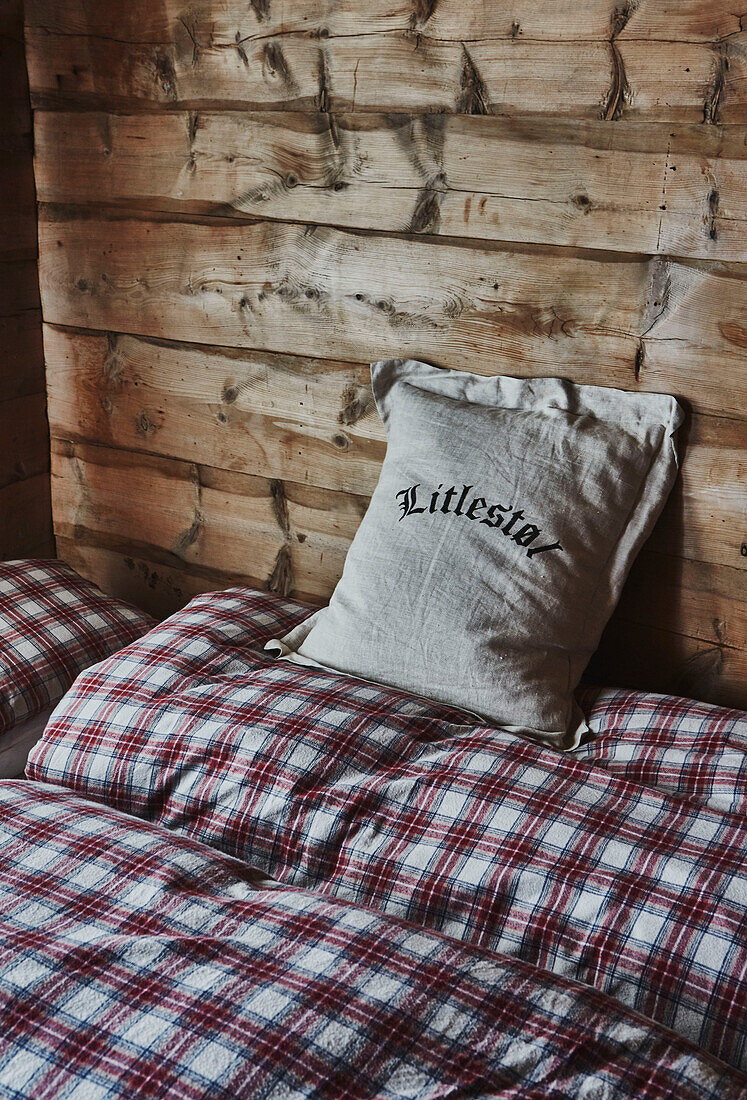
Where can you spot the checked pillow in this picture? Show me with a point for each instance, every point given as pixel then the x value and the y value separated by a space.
pixel 53 625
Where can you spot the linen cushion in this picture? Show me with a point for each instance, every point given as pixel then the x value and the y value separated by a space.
pixel 53 624
pixel 504 523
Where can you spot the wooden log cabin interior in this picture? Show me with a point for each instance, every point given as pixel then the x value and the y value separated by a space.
pixel 242 204
pixel 230 876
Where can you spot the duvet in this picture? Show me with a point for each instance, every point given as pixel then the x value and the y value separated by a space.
pixel 134 962
pixel 616 873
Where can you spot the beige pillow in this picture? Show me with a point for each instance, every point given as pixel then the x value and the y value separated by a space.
pixel 506 518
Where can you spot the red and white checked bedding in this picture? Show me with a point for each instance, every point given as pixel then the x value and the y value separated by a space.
pixel 677 745
pixel 371 796
pixel 53 624
pixel 138 963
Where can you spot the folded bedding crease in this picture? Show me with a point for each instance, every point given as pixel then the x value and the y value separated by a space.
pixel 618 867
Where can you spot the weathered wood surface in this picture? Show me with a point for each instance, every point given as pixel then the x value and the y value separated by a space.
pixel 245 203
pixel 212 519
pixel 672 66
pixel 281 416
pixel 25 516
pixel 229 522
pixel 630 652
pixel 209 529
pixel 630 187
pixel 151 22
pixel 314 422
pixel 152 584
pixel 328 293
pixel 633 656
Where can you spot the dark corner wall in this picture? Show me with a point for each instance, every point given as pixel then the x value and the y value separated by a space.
pixel 25 512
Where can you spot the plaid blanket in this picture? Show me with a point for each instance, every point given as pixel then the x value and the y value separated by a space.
pixel 370 795
pixel 137 963
pixel 678 745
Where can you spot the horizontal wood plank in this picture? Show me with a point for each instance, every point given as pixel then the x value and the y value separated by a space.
pixel 664 660
pixel 304 420
pixel 634 187
pixel 314 422
pixel 151 585
pixel 229 525
pixel 163 589
pixel 704 518
pixel 347 60
pixel 212 519
pixel 149 22
pixel 695 598
pixel 338 294
pixel 132 388
pixel 659 660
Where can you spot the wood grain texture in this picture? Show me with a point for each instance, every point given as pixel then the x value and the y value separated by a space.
pixel 677 65
pixel 314 422
pixel 211 519
pixel 706 21
pixel 228 523
pixel 693 598
pixel 632 187
pixel 246 203
pixel 282 416
pixel 633 655
pixel 25 515
pixel 337 294
pixel 630 652
pixel 161 588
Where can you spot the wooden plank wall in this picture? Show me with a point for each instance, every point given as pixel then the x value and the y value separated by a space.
pixel 243 203
pixel 25 512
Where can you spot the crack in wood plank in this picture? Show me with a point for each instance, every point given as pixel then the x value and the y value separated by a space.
pixel 658 293
pixel 715 95
pixel 663 202
pixel 192 35
pixel 280 506
pixel 713 203
pixel 281 580
pixel 472 99
pixel 620 89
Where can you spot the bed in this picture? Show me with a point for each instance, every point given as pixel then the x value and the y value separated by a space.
pixel 229 875
pixel 239 871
